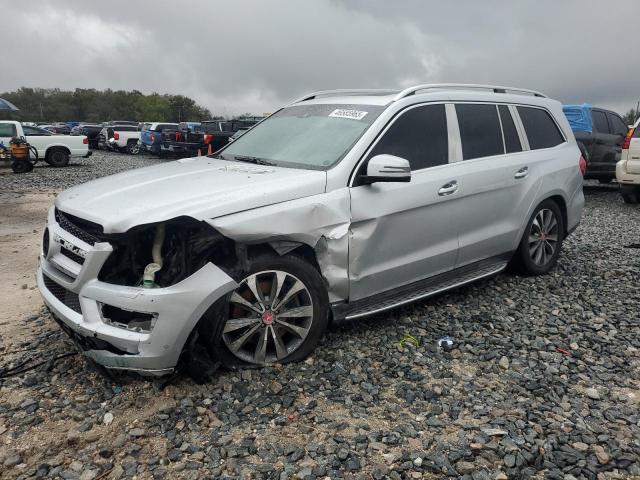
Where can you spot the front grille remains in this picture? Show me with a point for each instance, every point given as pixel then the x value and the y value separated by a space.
pixel 71 255
pixel 82 229
pixel 67 297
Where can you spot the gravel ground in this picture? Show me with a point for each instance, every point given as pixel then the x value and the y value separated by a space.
pixel 79 170
pixel 543 382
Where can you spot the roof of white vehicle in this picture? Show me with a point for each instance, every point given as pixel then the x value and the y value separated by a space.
pixel 467 92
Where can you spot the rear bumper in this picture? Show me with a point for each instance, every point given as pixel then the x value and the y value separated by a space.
pixel 145 147
pixel 624 177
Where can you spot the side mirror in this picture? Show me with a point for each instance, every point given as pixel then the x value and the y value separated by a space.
pixel 387 168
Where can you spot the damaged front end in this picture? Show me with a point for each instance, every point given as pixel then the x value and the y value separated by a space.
pixel 120 317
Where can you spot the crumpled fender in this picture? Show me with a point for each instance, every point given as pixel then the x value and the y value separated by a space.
pixel 320 221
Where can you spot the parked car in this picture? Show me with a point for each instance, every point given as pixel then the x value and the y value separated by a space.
pixel 238 134
pixel 192 137
pixel 90 130
pixel 131 123
pixel 151 136
pixel 122 138
pixel 601 145
pixel 58 129
pixel 56 150
pixel 249 252
pixel 628 168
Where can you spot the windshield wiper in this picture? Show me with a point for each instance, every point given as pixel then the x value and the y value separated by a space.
pixel 256 160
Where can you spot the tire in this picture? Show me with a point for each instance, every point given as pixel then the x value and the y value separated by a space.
pixel 57 158
pixel 21 166
pixel 234 343
pixel 133 148
pixel 529 259
pixel 630 198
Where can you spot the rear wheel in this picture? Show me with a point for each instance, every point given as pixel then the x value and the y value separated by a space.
pixel 541 242
pixel 277 314
pixel 630 197
pixel 133 148
pixel 57 157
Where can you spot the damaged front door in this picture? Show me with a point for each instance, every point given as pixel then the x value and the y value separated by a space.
pixel 405 232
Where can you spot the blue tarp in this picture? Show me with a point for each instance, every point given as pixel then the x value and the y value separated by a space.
pixel 579 117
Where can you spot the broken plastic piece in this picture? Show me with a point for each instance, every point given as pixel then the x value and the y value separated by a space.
pixel 446 343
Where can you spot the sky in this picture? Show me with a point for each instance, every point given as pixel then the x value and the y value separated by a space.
pixel 256 55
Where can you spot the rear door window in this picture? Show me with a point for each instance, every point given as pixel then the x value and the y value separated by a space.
pixel 511 138
pixel 617 125
pixel 541 130
pixel 418 135
pixel 600 121
pixel 479 130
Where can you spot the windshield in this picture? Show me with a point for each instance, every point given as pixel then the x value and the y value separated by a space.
pixel 305 136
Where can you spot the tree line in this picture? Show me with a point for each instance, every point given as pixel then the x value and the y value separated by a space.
pixel 91 105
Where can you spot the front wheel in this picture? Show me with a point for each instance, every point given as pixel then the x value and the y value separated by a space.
pixel 541 242
pixel 277 313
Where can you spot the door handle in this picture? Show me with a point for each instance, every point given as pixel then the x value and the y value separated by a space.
pixel 448 188
pixel 523 172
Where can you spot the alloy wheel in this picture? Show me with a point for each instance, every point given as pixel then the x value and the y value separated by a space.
pixel 543 237
pixel 270 315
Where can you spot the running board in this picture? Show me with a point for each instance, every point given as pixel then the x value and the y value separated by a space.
pixel 419 290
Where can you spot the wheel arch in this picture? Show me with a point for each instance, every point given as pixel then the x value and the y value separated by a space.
pixel 52 148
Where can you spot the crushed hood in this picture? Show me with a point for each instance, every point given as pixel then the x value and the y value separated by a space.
pixel 201 187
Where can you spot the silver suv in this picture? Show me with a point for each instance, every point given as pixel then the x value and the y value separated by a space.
pixel 341 205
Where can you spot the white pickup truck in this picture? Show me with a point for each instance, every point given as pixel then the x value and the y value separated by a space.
pixel 53 149
pixel 123 138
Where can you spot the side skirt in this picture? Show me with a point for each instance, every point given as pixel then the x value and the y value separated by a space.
pixel 419 290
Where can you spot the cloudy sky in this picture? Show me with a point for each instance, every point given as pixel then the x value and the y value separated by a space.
pixel 241 55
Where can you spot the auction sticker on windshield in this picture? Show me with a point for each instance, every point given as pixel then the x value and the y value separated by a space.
pixel 352 114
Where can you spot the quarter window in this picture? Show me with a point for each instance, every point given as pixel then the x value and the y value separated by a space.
pixel 600 122
pixel 617 126
pixel 418 135
pixel 7 130
pixel 511 138
pixel 541 130
pixel 479 130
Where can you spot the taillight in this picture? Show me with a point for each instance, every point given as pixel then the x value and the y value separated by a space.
pixel 627 139
pixel 178 136
pixel 208 138
pixel 583 165
pixel 116 136
pixel 153 137
pixel 85 140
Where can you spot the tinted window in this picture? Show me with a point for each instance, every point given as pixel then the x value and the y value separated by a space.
pixel 600 122
pixel 418 135
pixel 636 132
pixel 479 130
pixel 541 130
pixel 511 139
pixel 7 130
pixel 617 125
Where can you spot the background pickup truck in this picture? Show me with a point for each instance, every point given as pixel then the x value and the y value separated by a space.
pixel 53 149
pixel 124 138
pixel 193 136
pixel 151 136
pixel 601 147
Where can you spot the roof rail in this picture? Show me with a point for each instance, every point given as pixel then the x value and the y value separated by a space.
pixel 345 92
pixel 464 86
